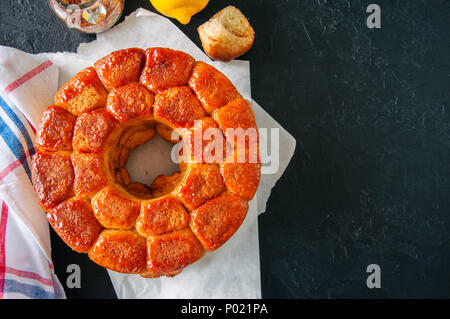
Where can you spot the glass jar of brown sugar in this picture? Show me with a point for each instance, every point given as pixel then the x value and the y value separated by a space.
pixel 90 16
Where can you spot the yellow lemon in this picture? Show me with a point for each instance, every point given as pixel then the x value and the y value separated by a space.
pixel 182 10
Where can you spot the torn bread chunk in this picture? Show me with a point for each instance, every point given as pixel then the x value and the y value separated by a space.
pixel 227 35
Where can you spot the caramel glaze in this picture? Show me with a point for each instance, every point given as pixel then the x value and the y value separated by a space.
pixel 165 68
pixel 53 178
pixel 84 92
pixel 238 114
pixel 241 172
pixel 201 182
pixel 212 88
pixel 120 67
pixel 55 129
pixel 120 250
pixel 207 132
pixel 177 107
pixel 161 215
pixel 218 219
pixel 113 210
pixel 129 102
pixel 171 252
pixel 90 175
pixel 75 223
pixel 92 130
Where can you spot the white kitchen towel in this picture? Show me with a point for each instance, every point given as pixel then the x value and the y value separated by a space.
pixel 26 269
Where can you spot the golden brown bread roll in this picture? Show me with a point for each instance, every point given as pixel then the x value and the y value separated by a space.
pixel 165 68
pixel 171 252
pixel 113 210
pixel 217 220
pixel 82 93
pixel 120 67
pixel 130 101
pixel 120 250
pixel 177 107
pixel 75 223
pixel 161 215
pixel 55 129
pixel 201 182
pixel 53 178
pixel 205 81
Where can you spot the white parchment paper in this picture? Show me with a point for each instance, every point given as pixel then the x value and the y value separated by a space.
pixel 233 270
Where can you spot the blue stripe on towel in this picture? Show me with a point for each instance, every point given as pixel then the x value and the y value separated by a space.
pixel 31 291
pixel 14 145
pixel 13 116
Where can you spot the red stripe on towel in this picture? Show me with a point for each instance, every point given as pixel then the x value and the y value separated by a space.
pixel 11 167
pixel 29 123
pixel 27 76
pixel 29 275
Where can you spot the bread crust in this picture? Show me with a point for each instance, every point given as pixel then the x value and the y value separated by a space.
pixel 90 175
pixel 171 252
pixel 113 210
pixel 241 172
pixel 177 107
pixel 53 178
pixel 160 216
pixel 129 102
pixel 237 121
pixel 206 81
pixel 120 67
pixel 75 223
pixel 91 131
pixel 165 68
pixel 205 142
pixel 55 130
pixel 201 182
pixel 218 219
pixel 82 93
pixel 120 250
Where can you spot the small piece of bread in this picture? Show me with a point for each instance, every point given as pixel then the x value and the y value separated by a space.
pixel 227 35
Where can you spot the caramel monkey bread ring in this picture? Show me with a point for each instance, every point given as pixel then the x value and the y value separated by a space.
pixel 83 143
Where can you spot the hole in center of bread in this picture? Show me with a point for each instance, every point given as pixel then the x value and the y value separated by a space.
pixel 149 160
pixel 140 162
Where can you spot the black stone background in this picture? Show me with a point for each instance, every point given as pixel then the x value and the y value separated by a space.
pixel 370 179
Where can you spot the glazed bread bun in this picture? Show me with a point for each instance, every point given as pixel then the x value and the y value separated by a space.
pixel 227 35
